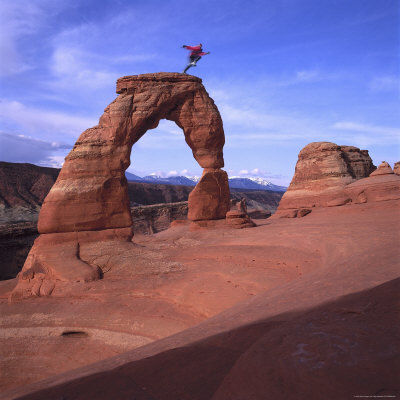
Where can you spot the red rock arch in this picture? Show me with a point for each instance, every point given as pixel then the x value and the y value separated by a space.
pixel 91 190
pixel 89 201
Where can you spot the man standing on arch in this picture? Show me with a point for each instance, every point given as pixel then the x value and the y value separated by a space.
pixel 195 55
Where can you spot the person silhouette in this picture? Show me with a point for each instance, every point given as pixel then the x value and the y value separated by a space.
pixel 195 55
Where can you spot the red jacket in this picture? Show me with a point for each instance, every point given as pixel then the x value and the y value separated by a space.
pixel 196 50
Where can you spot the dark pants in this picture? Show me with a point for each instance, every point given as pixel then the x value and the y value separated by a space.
pixel 192 59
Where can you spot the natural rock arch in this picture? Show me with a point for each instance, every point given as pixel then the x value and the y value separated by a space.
pixel 89 201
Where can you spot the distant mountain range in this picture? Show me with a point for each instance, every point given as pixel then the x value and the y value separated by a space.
pixel 235 182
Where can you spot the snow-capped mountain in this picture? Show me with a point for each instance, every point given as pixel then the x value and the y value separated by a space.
pixel 235 182
pixel 133 177
pixel 254 183
pixel 171 180
pixel 258 180
pixel 193 178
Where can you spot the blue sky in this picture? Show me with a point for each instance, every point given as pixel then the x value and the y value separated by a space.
pixel 283 73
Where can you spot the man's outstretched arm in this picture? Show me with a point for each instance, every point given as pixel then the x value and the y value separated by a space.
pixel 191 47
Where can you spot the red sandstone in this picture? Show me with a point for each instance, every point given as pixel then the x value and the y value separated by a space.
pixel 90 195
pixel 309 309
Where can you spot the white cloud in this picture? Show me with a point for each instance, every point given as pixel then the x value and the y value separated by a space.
pixel 134 58
pixel 53 161
pixel 365 136
pixel 87 55
pixel 73 70
pixel 252 127
pixel 365 128
pixel 33 120
pixel 385 83
pixel 172 173
pixel 307 76
pixel 251 123
pixel 21 18
pixel 161 174
pixel 22 148
pixel 278 179
pixel 15 22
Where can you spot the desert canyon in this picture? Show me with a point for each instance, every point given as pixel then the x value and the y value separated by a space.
pixel 301 305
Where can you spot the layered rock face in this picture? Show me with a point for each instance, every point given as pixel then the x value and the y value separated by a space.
pixel 382 185
pixel 329 175
pixel 90 196
pixel 322 171
pixel 396 168
pixel 157 217
pixel 23 188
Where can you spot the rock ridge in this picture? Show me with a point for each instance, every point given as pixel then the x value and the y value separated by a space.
pixel 130 81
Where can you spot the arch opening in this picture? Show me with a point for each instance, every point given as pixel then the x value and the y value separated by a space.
pixel 163 152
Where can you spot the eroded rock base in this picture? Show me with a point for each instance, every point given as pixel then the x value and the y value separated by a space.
pixel 72 257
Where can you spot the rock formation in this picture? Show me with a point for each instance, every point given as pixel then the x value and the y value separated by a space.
pixel 383 184
pixel 383 169
pixel 89 201
pixel 23 187
pixel 238 217
pixel 297 309
pixel 322 171
pixel 210 197
pixel 396 168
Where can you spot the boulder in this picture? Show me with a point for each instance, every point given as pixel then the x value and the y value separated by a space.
pixel 239 219
pixel 322 171
pixel 210 197
pixel 383 169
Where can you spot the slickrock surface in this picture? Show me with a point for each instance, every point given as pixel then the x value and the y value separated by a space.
pixel 381 186
pixel 308 310
pixel 322 171
pixel 89 201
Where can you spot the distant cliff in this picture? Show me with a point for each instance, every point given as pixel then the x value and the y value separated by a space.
pixel 23 188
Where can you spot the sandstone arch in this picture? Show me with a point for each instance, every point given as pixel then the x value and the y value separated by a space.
pixel 89 201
